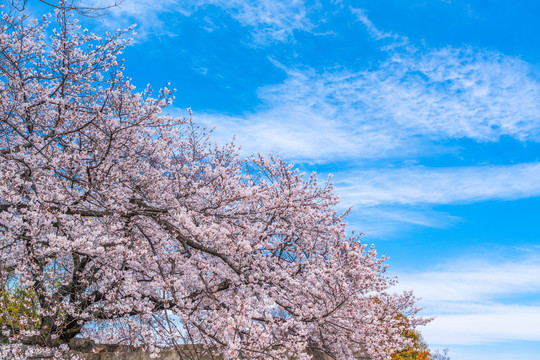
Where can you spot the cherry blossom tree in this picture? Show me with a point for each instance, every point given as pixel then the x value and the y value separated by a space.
pixel 129 226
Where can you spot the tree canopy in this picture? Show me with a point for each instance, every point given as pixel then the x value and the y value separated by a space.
pixel 127 225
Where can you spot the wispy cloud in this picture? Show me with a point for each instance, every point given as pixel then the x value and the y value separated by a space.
pixel 421 185
pixel 457 92
pixel 375 32
pixel 300 134
pixel 469 300
pixel 393 40
pixel 477 281
pixel 409 98
pixel 268 20
pixel 491 323
pixel 460 93
pixel 386 221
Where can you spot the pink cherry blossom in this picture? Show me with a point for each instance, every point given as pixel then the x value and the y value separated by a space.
pixel 129 226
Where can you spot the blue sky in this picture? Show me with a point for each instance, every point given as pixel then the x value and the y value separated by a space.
pixel 427 113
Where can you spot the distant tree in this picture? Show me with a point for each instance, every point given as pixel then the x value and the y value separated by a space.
pixel 118 221
pixel 418 350
pixel 438 355
pixel 18 310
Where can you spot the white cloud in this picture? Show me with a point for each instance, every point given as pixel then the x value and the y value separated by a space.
pixel 395 40
pixel 461 93
pixel 491 324
pixel 387 221
pixel 474 281
pixel 268 19
pixel 374 32
pixel 407 101
pixel 299 134
pixel 454 92
pixel 421 185
pixel 469 300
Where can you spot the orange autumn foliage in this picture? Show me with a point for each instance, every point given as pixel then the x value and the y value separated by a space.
pixel 418 350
